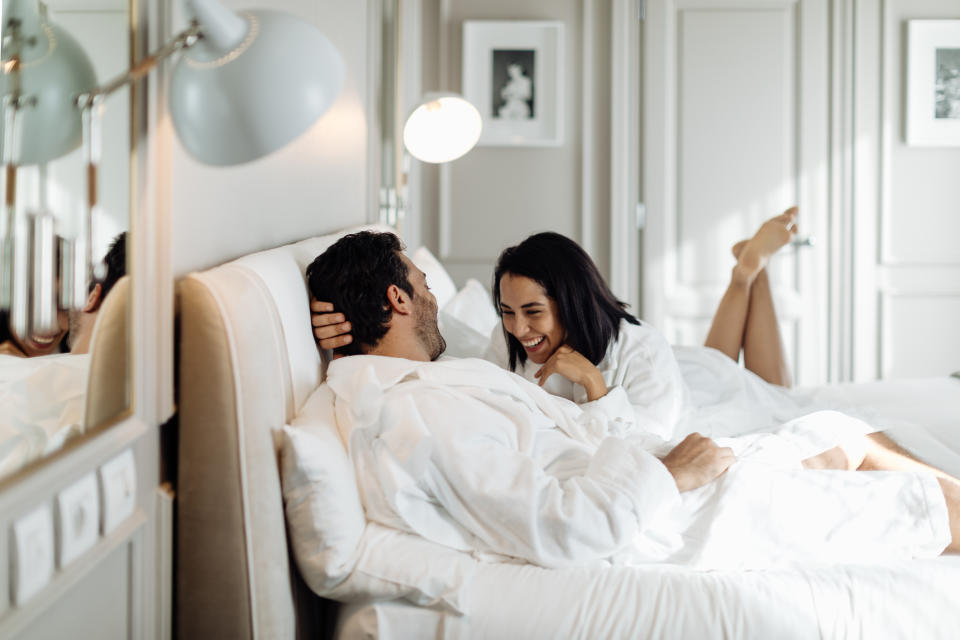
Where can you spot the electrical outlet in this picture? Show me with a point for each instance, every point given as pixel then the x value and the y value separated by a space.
pixel 118 489
pixel 77 519
pixel 31 553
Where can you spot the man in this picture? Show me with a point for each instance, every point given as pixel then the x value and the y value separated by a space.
pixel 82 321
pixel 477 458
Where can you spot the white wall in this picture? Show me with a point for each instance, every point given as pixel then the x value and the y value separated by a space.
pixel 316 184
pixel 915 284
pixel 496 196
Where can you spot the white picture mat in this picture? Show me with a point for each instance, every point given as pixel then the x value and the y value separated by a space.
pixel 480 39
pixel 924 37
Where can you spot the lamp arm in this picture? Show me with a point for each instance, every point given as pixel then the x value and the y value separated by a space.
pixel 184 40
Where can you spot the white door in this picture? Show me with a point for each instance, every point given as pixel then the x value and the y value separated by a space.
pixel 735 130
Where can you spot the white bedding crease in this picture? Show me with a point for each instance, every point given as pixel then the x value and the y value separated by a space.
pixel 475 458
pixel 41 405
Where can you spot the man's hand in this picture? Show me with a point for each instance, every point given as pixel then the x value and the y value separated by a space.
pixel 330 329
pixel 697 461
pixel 573 366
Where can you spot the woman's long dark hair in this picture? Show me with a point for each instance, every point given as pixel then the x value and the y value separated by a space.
pixel 587 309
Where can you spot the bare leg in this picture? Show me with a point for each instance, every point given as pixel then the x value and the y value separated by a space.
pixel 762 344
pixel 745 317
pixel 730 320
pixel 883 454
pixel 835 458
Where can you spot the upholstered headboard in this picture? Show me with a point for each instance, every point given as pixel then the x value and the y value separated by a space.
pixel 248 361
pixel 107 395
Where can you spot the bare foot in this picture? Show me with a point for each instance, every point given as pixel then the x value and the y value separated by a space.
pixel 769 238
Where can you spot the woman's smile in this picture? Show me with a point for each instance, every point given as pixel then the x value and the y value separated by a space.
pixel 530 316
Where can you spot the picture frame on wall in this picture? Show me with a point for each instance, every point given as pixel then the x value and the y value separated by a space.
pixel 933 83
pixel 513 73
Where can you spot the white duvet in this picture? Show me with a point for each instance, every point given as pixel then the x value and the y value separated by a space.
pixel 41 405
pixel 472 457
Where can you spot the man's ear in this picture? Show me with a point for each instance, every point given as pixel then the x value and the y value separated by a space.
pixel 93 300
pixel 399 300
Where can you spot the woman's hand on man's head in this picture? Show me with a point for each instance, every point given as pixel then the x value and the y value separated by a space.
pixel 331 329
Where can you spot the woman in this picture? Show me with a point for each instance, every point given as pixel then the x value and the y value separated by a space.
pixel 564 329
pixel 33 344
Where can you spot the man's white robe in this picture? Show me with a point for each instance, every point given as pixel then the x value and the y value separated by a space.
pixel 468 455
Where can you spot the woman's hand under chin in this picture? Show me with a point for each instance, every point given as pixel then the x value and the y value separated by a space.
pixel 577 369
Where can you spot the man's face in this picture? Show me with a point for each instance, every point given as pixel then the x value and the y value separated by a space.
pixel 425 305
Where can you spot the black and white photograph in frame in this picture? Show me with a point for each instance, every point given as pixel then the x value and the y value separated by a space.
pixel 512 74
pixel 947 101
pixel 933 83
pixel 514 88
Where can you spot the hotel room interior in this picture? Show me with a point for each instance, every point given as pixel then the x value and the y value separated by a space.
pixel 140 483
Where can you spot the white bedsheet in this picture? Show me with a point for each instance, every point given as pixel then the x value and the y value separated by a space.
pixel 918 599
pixel 896 599
pixel 41 406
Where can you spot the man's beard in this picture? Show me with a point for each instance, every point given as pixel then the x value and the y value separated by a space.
pixel 427 330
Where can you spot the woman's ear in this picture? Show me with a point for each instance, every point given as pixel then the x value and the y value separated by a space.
pixel 399 300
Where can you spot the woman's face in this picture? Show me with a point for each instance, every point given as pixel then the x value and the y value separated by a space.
pixel 530 316
pixel 42 344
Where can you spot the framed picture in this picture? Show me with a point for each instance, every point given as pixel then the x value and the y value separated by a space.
pixel 512 73
pixel 933 83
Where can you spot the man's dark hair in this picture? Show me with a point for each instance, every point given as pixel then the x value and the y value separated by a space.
pixel 586 308
pixel 354 274
pixel 116 262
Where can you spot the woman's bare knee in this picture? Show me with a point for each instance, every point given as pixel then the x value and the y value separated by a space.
pixel 835 458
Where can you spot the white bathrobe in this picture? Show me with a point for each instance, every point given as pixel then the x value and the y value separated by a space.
pixel 468 455
pixel 677 390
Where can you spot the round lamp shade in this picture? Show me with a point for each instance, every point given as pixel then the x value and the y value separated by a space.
pixel 444 127
pixel 231 107
pixel 54 69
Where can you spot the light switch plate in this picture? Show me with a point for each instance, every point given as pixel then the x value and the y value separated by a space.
pixel 118 489
pixel 31 553
pixel 77 519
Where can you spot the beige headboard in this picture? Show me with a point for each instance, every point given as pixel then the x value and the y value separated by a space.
pixel 107 389
pixel 247 363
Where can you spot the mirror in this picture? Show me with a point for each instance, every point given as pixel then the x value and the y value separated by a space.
pixel 43 385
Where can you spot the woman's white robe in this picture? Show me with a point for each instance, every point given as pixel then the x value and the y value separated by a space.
pixel 675 391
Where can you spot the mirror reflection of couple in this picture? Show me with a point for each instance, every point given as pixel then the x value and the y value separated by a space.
pixel 518 471
pixel 75 328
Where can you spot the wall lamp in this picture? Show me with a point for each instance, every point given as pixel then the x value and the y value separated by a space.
pixel 246 84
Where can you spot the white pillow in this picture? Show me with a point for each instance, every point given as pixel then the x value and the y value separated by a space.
pixel 439 281
pixel 462 340
pixel 324 515
pixel 473 306
pixel 340 554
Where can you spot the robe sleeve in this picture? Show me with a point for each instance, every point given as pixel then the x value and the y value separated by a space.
pixel 482 474
pixel 648 377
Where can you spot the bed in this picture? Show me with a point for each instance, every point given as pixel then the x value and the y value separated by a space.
pixel 250 375
pixel 48 401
